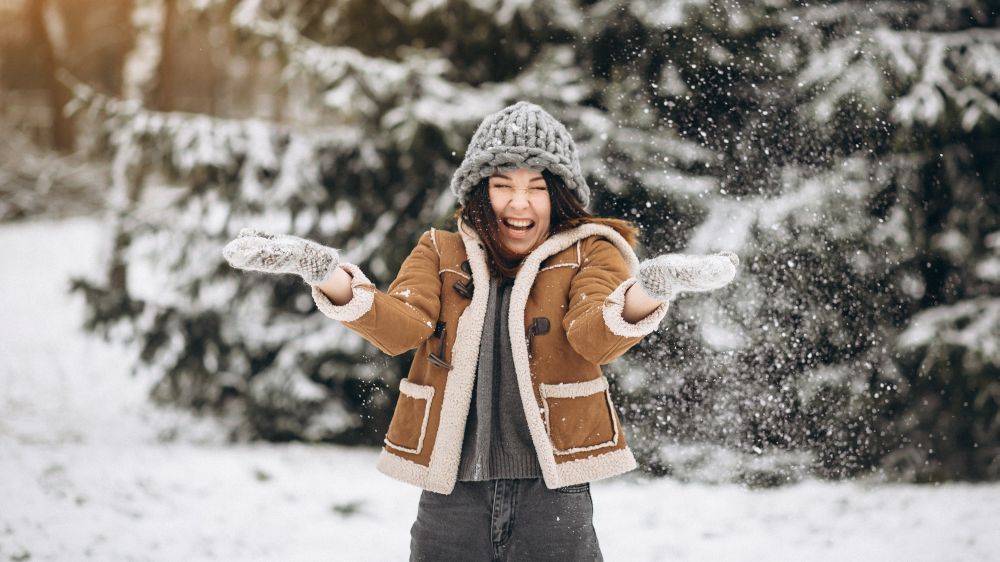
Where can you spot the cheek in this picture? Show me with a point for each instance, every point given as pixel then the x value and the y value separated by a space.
pixel 544 208
pixel 496 201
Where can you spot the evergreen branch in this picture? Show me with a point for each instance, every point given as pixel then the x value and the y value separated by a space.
pixel 345 72
pixel 933 68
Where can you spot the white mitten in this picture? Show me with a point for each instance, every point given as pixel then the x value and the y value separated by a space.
pixel 256 250
pixel 664 276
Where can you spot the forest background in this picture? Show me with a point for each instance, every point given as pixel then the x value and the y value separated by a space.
pixel 847 151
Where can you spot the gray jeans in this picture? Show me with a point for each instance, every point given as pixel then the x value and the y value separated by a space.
pixel 518 519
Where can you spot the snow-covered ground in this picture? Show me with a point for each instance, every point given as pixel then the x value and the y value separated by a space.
pixel 89 470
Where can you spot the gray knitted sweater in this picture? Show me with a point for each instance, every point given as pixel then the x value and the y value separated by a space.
pixel 497 442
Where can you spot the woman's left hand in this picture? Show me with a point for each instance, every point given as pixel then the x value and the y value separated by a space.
pixel 667 275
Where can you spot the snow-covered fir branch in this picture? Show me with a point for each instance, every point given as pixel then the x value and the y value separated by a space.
pixel 915 74
pixel 921 14
pixel 348 77
pixel 395 96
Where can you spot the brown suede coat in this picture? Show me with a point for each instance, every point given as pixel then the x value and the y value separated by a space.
pixel 573 284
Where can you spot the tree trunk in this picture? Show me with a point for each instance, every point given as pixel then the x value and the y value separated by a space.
pixel 58 93
pixel 163 95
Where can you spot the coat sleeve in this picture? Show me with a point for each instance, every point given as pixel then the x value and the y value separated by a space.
pixel 593 323
pixel 401 318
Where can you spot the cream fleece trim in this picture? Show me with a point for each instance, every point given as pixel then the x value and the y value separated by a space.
pixel 446 453
pixel 577 390
pixel 519 344
pixel 418 392
pixel 573 389
pixel 614 306
pixel 362 297
pixel 402 469
pixel 421 391
pixel 603 465
pixel 558 265
pixel 455 271
pixel 435 242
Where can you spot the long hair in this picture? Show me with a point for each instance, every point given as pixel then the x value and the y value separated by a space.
pixel 567 213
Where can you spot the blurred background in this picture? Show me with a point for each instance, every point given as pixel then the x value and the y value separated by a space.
pixel 849 152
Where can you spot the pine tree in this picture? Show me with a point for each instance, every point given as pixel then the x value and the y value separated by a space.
pixel 831 126
pixel 361 162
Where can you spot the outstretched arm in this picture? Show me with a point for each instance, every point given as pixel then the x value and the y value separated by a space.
pixel 595 323
pixel 638 304
pixel 337 287
pixel 394 321
pixel 663 277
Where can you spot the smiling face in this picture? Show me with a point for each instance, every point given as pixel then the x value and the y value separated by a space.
pixel 520 201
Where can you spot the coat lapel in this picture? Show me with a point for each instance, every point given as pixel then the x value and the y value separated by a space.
pixel 442 471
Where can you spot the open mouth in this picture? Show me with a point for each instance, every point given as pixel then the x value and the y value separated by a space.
pixel 518 225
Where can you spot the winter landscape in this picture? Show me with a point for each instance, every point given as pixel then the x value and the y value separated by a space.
pixel 91 471
pixel 839 400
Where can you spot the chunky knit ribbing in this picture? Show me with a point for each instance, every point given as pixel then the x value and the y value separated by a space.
pixel 664 276
pixel 256 250
pixel 522 135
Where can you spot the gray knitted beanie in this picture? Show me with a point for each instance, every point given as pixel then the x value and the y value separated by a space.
pixel 522 135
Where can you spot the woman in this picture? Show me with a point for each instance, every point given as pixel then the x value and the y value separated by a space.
pixel 505 416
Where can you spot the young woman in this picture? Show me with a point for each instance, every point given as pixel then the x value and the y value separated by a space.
pixel 505 416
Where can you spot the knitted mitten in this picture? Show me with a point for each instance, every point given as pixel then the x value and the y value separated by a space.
pixel 664 276
pixel 256 250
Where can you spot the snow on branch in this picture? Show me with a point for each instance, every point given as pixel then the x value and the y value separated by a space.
pixel 828 201
pixel 349 78
pixel 917 73
pixel 971 325
pixel 397 97
pixel 657 159
pixel 246 152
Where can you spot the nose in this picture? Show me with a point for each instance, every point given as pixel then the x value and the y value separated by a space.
pixel 519 199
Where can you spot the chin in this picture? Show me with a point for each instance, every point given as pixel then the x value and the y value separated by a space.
pixel 518 249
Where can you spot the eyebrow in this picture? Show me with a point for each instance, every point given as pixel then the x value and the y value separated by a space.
pixel 506 177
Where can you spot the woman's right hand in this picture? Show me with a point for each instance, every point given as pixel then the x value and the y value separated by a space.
pixel 256 250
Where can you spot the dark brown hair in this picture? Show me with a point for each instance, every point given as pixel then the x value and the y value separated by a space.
pixel 567 213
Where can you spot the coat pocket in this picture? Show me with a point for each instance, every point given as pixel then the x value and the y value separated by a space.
pixel 409 421
pixel 579 416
